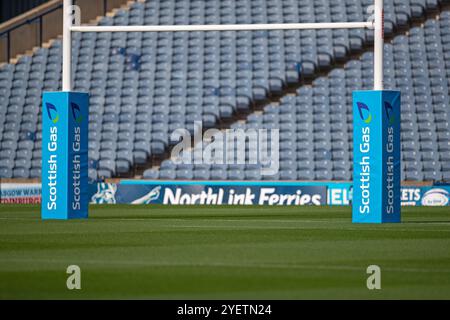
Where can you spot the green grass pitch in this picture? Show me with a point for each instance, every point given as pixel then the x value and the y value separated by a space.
pixel 193 252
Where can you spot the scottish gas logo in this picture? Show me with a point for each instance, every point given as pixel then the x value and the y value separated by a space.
pixel 52 162
pixel 76 113
pixel 52 113
pixel 364 112
pixel 364 163
pixel 389 112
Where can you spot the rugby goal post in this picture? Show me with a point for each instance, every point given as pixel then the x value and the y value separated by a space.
pixel 376 129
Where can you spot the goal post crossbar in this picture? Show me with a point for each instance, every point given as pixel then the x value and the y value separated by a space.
pixel 225 27
pixel 377 25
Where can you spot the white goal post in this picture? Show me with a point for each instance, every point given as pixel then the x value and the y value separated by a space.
pixel 377 25
pixel 376 126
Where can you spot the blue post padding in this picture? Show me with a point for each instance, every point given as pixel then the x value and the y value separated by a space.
pixel 376 157
pixel 65 117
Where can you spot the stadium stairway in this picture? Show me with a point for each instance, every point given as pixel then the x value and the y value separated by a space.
pixel 156 83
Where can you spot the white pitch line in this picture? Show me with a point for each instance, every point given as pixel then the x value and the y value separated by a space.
pixel 298 227
pixel 339 220
pixel 215 219
pixel 257 265
pixel 19 219
pixel 338 228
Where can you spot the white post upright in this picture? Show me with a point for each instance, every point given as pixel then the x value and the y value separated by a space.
pixel 67 46
pixel 376 144
pixel 65 138
pixel 379 45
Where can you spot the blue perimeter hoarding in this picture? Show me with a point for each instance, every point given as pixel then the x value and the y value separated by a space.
pixel 337 194
pixel 341 194
pixel 211 193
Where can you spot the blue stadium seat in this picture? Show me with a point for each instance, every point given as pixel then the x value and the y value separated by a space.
pixel 145 85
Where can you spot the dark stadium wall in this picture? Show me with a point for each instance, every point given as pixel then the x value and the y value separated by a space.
pixel 13 8
pixel 26 15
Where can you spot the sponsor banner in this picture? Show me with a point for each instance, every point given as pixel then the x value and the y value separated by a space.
pixel 426 196
pixel 210 193
pixel 65 155
pixel 20 193
pixel 376 156
pixel 340 194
